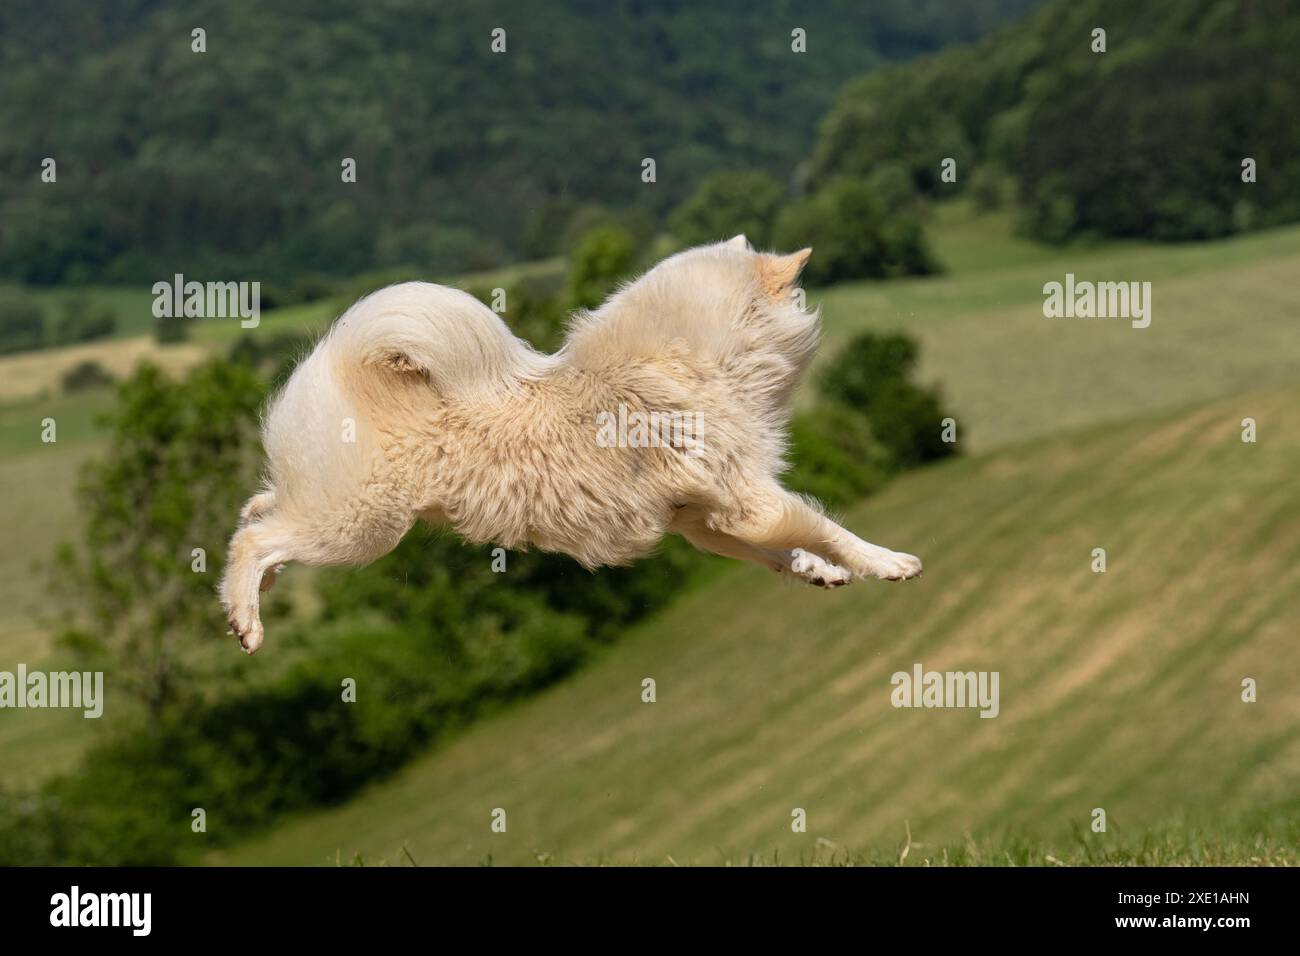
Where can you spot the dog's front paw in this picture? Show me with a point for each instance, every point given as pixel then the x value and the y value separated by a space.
pixel 817 570
pixel 894 566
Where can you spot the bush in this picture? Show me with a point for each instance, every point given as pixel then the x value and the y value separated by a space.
pixel 298 290
pixel 287 744
pixel 871 374
pixel 86 375
pixel 729 203
pixel 1050 213
pixel 868 362
pixel 852 235
pixel 909 421
pixel 836 457
pixel 22 323
pixel 990 188
pixel 171 329
pixel 79 321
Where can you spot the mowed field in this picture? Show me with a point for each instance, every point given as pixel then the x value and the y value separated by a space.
pixel 1225 318
pixel 1119 690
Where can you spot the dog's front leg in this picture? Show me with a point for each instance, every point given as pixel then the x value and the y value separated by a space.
pixel 692 524
pixel 770 517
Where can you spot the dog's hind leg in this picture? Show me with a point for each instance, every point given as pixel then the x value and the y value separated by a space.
pixel 770 517
pixel 355 533
pixel 255 554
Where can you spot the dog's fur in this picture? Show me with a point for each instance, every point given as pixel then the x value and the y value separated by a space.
pixel 420 403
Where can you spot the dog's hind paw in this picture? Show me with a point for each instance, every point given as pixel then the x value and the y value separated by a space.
pixel 817 571
pixel 249 634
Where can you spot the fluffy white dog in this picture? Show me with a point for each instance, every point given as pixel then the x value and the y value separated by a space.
pixel 420 403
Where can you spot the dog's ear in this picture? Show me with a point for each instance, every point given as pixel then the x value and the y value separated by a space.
pixel 778 274
pixel 739 242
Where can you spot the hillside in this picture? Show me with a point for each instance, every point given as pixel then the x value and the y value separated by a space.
pixel 1146 137
pixel 1118 690
pixel 1223 324
pixel 229 160
pixel 1223 321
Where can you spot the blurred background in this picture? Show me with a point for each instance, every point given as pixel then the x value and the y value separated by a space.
pixel 945 160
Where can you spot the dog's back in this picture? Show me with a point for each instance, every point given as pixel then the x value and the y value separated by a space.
pixel 718 304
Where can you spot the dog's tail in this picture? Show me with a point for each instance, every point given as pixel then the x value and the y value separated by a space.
pixel 442 336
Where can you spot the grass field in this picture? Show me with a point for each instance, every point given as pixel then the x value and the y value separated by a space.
pixel 29 375
pixel 1224 320
pixel 1119 690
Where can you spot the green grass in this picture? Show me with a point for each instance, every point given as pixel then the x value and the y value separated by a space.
pixel 1224 321
pixel 1268 838
pixel 132 305
pixel 1118 690
pixel 39 479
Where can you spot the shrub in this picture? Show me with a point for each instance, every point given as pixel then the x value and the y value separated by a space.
pixel 892 183
pixel 871 374
pixel 171 329
pixel 79 321
pixel 22 323
pixel 870 360
pixel 86 375
pixel 836 458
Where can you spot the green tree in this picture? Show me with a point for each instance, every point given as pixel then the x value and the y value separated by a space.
pixel 728 203
pixel 534 309
pixel 853 235
pixel 604 256
pixel 181 458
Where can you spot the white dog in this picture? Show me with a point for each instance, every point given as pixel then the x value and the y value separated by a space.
pixel 420 403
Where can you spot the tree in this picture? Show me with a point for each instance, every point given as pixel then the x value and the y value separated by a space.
pixel 854 236
pixel 729 203
pixel 603 257
pixel 138 587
